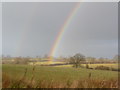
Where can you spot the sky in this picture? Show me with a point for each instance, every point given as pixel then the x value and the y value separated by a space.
pixel 29 29
pixel 0 28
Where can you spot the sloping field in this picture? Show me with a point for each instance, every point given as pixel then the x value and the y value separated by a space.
pixel 60 75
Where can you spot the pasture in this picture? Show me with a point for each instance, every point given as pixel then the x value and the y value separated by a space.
pixel 56 75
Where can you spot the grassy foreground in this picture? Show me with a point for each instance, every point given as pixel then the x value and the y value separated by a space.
pixel 23 76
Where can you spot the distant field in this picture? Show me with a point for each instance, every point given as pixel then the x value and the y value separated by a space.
pixel 90 65
pixel 56 74
pixel 46 63
pixel 108 65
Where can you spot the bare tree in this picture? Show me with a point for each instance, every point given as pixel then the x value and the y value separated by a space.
pixel 45 56
pixel 20 60
pixel 116 58
pixel 91 60
pixel 101 60
pixel 77 59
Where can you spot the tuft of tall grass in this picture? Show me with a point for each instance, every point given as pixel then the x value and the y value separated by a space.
pixel 5 80
pixel 85 83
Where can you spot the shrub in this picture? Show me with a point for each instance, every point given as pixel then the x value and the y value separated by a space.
pixel 102 68
pixel 115 69
pixel 87 66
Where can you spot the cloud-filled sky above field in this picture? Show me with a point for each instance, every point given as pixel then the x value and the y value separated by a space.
pixel 29 29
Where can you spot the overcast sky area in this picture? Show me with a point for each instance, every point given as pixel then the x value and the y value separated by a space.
pixel 29 29
pixel 0 28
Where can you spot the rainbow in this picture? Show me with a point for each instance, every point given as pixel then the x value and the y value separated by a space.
pixel 62 31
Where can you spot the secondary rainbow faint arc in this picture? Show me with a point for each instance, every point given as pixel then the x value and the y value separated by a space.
pixel 62 30
pixel 26 29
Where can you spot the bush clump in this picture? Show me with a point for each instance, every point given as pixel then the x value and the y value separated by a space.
pixel 102 68
pixel 87 66
pixel 115 69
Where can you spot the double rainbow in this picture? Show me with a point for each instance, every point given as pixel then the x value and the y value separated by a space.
pixel 60 34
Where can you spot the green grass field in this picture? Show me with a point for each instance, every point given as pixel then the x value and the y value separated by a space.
pixel 56 74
